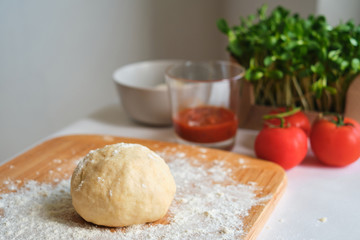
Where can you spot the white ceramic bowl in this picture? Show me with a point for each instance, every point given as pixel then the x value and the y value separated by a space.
pixel 143 92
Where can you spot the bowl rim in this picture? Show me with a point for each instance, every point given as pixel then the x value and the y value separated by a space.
pixel 118 81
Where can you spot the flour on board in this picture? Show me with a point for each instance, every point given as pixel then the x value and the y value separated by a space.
pixel 204 208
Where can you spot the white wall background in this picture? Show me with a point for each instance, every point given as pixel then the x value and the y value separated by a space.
pixel 57 57
pixel 336 11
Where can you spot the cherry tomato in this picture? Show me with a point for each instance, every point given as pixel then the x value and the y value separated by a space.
pixel 336 142
pixel 298 119
pixel 284 146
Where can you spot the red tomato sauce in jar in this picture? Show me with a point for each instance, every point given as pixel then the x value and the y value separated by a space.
pixel 206 124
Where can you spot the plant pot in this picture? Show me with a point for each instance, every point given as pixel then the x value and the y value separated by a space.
pixel 250 114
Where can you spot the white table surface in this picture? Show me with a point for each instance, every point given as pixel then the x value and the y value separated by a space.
pixel 314 191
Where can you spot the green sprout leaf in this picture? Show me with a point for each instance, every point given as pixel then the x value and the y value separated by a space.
pixel 269 60
pixel 262 12
pixel 253 74
pixel 355 64
pixel 331 90
pixel 334 54
pixel 343 65
pixel 275 74
pixel 354 42
pixel 317 87
pixel 223 26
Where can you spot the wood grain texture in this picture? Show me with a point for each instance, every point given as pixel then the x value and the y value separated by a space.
pixel 56 159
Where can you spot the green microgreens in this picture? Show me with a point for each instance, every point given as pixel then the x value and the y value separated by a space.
pixel 295 61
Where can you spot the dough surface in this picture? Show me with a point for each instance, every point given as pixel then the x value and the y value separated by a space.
pixel 121 185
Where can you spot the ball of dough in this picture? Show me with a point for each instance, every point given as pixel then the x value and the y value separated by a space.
pixel 122 184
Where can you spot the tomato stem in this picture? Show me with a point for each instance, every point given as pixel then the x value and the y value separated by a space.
pixel 282 115
pixel 282 122
pixel 340 121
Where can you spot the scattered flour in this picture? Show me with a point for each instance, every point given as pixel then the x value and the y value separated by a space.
pixel 208 205
pixel 58 161
pixel 108 138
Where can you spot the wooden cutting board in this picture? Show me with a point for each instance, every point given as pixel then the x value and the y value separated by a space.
pixel 56 159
